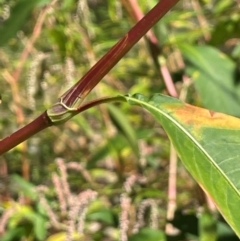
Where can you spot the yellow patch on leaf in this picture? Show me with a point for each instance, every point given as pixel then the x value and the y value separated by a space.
pixel 196 117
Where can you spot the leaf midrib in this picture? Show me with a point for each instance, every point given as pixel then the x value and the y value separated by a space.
pixel 190 137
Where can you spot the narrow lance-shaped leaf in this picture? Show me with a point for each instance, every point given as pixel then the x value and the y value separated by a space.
pixel 208 144
pixel 215 76
pixel 19 13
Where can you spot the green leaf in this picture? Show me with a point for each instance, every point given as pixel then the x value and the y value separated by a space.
pixel 149 235
pixel 19 13
pixel 124 126
pixel 207 143
pixel 40 227
pixel 59 38
pixel 220 6
pixel 13 234
pixel 207 227
pixel 225 29
pixel 225 232
pixel 215 78
pixel 27 188
pixel 113 147
pixel 102 174
pixel 103 215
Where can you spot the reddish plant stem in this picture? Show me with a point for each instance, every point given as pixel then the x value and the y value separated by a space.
pixel 103 100
pixel 93 76
pixel 12 79
pixel 19 119
pixel 108 61
pixel 42 122
pixel 154 46
pixel 136 14
pixel 37 125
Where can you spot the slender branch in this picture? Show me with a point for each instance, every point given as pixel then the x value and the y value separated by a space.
pixel 154 46
pixel 136 14
pixel 13 80
pixel 40 123
pixel 103 100
pixel 68 105
pixel 108 61
pixel 19 119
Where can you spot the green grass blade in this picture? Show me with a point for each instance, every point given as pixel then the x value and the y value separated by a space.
pixel 19 13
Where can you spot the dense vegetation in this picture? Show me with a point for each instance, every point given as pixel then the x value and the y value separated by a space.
pixel 110 171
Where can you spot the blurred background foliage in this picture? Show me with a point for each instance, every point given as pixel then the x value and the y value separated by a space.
pixel 45 47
